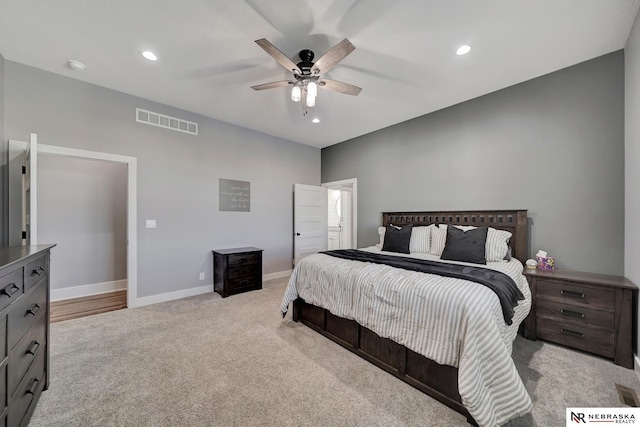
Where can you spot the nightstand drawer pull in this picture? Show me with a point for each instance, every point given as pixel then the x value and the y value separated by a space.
pixel 570 332
pixel 572 313
pixel 33 348
pixel 33 309
pixel 10 290
pixel 573 294
pixel 33 387
pixel 243 282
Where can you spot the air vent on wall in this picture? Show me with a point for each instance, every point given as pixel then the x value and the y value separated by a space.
pixel 167 122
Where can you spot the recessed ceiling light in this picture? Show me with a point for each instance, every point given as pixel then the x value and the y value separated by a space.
pixel 463 50
pixel 75 65
pixel 149 55
pixel 316 120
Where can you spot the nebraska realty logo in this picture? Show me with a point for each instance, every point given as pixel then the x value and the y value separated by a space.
pixel 602 416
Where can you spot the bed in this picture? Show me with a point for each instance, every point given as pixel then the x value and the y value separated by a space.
pixel 464 363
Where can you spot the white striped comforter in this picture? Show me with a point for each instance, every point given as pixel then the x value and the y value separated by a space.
pixel 452 321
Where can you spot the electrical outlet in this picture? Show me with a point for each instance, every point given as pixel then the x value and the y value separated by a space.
pixel 151 223
pixel 201 276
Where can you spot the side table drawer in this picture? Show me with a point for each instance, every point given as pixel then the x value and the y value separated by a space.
pixel 588 338
pixel 576 314
pixel 574 293
pixel 236 284
pixel 246 271
pixel 238 260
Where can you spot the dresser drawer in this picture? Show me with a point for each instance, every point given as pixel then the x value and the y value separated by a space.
pixel 240 272
pixel 238 260
pixel 34 272
pixel 3 387
pixel 576 294
pixel 26 313
pixel 30 386
pixel 10 287
pixel 3 339
pixel 588 338
pixel 25 352
pixel 576 314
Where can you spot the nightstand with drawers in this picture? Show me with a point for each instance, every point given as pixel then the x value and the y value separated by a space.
pixel 237 270
pixel 586 311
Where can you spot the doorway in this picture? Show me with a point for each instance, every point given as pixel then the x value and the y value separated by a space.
pixel 342 214
pixel 131 206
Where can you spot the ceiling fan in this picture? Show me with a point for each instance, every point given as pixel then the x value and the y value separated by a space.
pixel 306 73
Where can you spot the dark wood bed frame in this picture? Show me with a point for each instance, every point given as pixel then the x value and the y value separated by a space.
pixel 438 381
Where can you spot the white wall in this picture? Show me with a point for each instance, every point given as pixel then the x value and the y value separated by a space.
pixel 82 207
pixel 632 159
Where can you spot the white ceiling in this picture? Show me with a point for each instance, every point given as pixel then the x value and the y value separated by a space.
pixel 404 60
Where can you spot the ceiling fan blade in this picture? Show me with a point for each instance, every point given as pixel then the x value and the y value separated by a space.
pixel 278 56
pixel 340 87
pixel 332 57
pixel 271 85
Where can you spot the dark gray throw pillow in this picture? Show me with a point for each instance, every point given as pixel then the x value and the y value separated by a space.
pixel 397 239
pixel 466 246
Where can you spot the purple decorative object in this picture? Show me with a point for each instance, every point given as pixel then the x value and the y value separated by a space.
pixel 546 263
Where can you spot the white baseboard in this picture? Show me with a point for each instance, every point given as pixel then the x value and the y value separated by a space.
pixel 170 296
pixel 87 290
pixel 276 275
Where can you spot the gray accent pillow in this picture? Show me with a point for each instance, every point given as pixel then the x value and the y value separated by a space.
pixel 465 246
pixel 397 239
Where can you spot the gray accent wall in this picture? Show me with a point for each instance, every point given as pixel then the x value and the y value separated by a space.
pixel 178 173
pixel 632 160
pixel 82 203
pixel 553 145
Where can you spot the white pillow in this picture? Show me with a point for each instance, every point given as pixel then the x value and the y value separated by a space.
pixel 381 232
pixel 420 240
pixel 496 246
pixel 438 239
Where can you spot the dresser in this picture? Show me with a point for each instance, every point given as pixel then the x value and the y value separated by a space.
pixel 586 311
pixel 24 331
pixel 237 270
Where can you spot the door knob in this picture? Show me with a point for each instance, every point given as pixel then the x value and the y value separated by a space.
pixel 297 234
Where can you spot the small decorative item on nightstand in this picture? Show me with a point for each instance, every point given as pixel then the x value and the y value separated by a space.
pixel 587 311
pixel 237 270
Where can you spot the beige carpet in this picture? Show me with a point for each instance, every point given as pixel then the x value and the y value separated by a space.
pixel 208 361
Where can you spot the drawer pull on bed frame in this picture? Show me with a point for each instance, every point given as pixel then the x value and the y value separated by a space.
pixel 570 332
pixel 572 313
pixel 573 294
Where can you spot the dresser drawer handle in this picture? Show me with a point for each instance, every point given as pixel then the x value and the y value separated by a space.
pixel 572 313
pixel 573 294
pixel 38 271
pixel 244 270
pixel 11 289
pixel 33 309
pixel 243 282
pixel 570 332
pixel 32 388
pixel 33 348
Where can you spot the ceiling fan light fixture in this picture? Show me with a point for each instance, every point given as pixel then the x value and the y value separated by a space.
pixel 312 89
pixel 296 93
pixel 311 101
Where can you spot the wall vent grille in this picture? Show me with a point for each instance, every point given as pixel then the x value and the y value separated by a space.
pixel 167 122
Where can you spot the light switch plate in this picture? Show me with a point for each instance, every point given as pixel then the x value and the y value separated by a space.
pixel 151 223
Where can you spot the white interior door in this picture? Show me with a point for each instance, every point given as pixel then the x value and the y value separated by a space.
pixel 309 220
pixel 16 161
pixel 31 191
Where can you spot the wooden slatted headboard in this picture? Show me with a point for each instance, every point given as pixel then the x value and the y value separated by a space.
pixel 514 221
